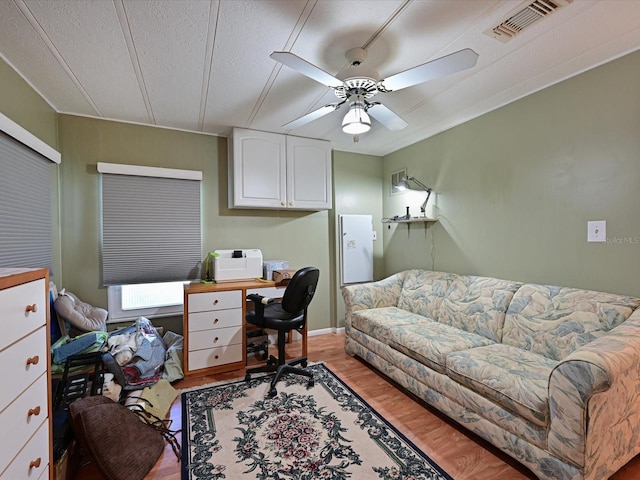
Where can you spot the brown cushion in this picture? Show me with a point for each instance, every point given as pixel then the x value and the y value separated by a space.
pixel 122 447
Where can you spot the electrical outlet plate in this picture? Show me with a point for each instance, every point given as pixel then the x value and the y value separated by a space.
pixel 597 231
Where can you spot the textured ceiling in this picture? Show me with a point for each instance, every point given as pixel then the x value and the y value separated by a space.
pixel 204 66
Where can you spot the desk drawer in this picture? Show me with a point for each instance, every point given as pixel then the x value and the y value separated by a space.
pixel 215 338
pixel 22 418
pixel 213 357
pixel 215 319
pixel 203 302
pixel 33 460
pixel 17 321
pixel 23 363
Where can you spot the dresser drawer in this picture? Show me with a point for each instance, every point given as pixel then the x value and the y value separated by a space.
pixel 215 319
pixel 22 418
pixel 202 302
pixel 23 363
pixel 214 357
pixel 33 460
pixel 215 338
pixel 18 317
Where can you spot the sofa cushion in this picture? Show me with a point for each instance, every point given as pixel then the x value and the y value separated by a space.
pixel 377 322
pixel 423 291
pixel 511 377
pixel 477 305
pixel 555 321
pixel 430 342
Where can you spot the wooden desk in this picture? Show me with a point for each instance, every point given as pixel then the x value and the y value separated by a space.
pixel 215 333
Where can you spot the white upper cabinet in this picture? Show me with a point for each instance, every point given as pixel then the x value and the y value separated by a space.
pixel 269 170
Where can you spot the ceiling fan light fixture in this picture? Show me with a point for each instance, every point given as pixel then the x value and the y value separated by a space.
pixel 357 120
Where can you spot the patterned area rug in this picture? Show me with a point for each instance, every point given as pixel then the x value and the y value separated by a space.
pixel 233 430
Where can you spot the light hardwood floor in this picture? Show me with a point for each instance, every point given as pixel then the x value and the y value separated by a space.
pixel 463 455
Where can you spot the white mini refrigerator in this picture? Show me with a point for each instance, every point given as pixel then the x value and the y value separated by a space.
pixel 356 249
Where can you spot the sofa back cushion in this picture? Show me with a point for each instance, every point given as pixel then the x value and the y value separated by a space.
pixel 477 305
pixel 555 321
pixel 423 290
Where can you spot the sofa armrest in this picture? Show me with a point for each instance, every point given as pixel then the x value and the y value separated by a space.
pixel 594 402
pixel 362 296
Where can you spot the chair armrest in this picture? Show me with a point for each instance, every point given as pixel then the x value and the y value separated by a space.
pixel 594 402
pixel 259 302
pixel 255 298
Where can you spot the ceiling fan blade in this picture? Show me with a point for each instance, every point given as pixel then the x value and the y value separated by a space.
pixel 306 68
pixel 455 62
pixel 386 117
pixel 309 117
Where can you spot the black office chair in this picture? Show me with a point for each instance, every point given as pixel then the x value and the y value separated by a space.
pixel 290 314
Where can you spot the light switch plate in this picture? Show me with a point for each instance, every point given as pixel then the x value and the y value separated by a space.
pixel 597 231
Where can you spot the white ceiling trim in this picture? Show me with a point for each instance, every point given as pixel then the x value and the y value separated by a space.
pixel 121 11
pixel 24 9
pixel 208 60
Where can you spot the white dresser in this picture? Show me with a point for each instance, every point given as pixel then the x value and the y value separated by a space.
pixel 25 395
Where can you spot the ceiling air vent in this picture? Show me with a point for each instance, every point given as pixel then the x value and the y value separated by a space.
pixel 524 16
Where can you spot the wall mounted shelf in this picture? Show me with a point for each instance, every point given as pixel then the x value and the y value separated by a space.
pixel 408 221
pixel 411 220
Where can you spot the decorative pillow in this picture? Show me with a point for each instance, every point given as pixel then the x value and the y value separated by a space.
pixel 80 314
pixel 122 447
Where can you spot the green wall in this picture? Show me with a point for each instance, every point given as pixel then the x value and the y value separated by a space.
pixel 25 106
pixel 516 187
pixel 357 186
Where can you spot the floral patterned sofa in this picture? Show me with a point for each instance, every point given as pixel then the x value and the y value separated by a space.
pixel 550 375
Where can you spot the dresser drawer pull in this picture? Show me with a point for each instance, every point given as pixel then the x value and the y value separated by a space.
pixel 215 340
pixel 216 301
pixel 217 357
pixel 215 321
pixel 33 360
pixel 35 463
pixel 32 308
pixel 34 411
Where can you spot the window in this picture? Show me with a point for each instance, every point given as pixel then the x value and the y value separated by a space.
pixel 25 198
pixel 151 229
pixel 152 300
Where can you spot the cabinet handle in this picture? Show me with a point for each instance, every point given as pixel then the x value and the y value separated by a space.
pixel 291 204
pixel 215 320
pixel 32 308
pixel 215 340
pixel 215 302
pixel 34 411
pixel 35 463
pixel 283 203
pixel 33 360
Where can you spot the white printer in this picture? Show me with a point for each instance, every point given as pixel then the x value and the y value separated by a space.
pixel 235 265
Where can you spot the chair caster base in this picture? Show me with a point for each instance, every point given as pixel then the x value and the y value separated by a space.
pixel 273 392
pixel 310 383
pixel 247 377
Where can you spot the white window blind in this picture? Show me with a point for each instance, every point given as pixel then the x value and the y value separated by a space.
pixel 151 229
pixel 25 206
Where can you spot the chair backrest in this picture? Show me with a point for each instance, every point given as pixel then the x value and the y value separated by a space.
pixel 300 290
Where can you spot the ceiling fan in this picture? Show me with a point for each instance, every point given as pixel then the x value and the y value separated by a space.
pixel 360 84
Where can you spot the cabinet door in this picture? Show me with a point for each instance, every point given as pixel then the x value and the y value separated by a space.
pixel 308 173
pixel 257 170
